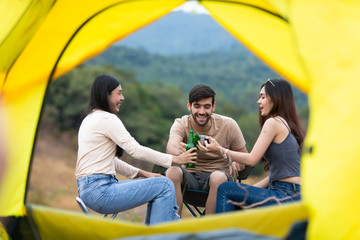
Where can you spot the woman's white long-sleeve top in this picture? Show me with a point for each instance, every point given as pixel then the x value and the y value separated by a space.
pixel 98 136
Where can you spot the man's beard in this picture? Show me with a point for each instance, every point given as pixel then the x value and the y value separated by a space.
pixel 201 124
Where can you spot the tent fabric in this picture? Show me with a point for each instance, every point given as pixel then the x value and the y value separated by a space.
pixel 328 43
pixel 22 22
pixel 228 234
pixel 267 221
pixel 261 27
pixel 3 233
pixel 313 44
pixel 67 26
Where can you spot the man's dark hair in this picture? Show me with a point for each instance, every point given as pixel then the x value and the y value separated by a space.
pixel 201 91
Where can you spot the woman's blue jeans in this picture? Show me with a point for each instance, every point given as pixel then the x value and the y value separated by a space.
pixel 238 192
pixel 105 194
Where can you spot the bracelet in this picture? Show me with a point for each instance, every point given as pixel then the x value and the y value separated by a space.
pixel 224 154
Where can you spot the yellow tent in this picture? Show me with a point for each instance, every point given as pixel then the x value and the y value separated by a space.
pixel 312 43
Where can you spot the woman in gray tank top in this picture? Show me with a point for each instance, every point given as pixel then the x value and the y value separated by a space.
pixel 279 145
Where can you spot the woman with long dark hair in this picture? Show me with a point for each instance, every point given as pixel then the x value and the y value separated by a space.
pixel 279 144
pixel 102 139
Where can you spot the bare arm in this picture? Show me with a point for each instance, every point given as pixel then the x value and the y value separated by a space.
pixel 175 146
pixel 267 134
pixel 146 174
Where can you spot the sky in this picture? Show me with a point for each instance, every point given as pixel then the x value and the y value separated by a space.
pixel 192 7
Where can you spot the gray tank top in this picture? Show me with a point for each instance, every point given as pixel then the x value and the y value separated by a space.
pixel 284 158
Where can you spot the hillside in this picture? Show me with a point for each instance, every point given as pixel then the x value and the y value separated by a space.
pixel 236 75
pixel 182 33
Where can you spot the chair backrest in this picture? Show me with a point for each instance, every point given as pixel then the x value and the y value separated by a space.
pixel 195 197
pixel 82 206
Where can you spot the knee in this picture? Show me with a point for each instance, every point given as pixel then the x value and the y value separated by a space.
pixel 217 178
pixel 169 184
pixel 167 187
pixel 175 174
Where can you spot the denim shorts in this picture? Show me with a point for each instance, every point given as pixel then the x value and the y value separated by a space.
pixel 198 180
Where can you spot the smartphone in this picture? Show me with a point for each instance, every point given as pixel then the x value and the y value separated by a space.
pixel 203 138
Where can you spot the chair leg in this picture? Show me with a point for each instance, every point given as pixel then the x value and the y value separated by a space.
pixel 190 209
pixel 195 199
pixel 113 216
pixel 85 209
pixel 82 206
pixel 202 213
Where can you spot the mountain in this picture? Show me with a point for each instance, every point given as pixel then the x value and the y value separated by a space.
pixel 182 33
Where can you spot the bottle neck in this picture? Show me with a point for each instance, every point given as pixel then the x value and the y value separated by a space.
pixel 191 137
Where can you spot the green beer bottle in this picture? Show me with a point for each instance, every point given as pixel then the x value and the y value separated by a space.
pixel 192 142
pixel 196 140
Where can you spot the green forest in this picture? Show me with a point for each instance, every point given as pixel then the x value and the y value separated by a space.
pixel 155 88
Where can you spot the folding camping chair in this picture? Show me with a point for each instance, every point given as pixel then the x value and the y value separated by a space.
pixel 195 199
pixel 85 209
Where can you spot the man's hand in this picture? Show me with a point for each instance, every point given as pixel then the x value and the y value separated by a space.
pixel 182 148
pixel 236 168
pixel 210 146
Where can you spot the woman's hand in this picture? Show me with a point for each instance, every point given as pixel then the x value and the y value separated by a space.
pixel 147 174
pixel 210 146
pixel 187 157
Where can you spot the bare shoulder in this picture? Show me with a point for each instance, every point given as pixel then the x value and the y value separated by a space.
pixel 274 124
pixel 271 122
pixel 269 130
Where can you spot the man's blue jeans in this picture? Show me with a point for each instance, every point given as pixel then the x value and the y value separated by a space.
pixel 105 194
pixel 238 192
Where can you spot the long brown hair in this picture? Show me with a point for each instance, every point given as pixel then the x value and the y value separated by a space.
pixel 281 95
pixel 101 89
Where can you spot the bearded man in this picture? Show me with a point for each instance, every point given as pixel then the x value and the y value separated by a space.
pixel 211 169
